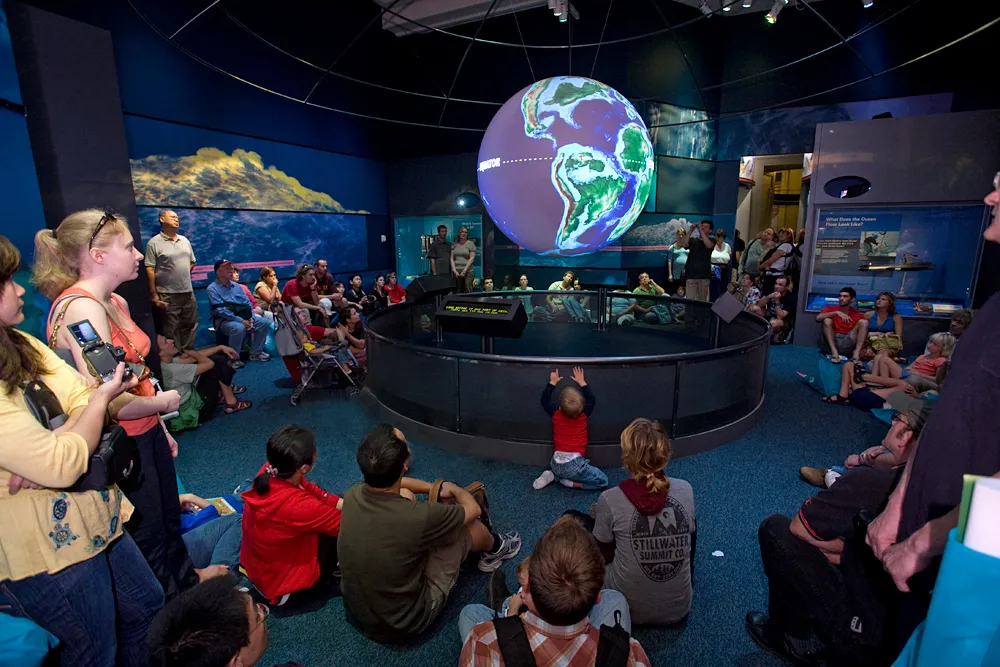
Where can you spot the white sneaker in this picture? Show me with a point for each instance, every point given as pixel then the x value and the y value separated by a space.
pixel 544 480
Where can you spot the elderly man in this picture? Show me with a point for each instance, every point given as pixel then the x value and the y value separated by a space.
pixel 169 262
pixel 750 261
pixel 232 313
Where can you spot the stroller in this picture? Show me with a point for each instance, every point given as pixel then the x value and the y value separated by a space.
pixel 324 370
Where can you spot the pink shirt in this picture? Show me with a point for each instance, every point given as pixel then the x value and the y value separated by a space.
pixel 926 366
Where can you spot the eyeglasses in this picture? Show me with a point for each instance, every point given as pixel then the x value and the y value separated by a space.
pixel 105 219
pixel 900 418
pixel 263 611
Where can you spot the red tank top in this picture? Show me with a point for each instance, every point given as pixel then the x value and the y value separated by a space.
pixel 569 435
pixel 120 337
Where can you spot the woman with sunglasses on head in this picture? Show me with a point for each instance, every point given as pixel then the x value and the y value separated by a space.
pixel 79 265
pixel 67 565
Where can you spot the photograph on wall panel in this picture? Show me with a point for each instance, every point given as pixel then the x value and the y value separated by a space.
pixel 254 239
pixel 684 185
pixel 177 165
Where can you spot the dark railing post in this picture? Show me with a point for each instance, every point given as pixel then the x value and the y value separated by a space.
pixel 603 308
pixel 458 395
pixel 716 324
pixel 438 331
pixel 677 400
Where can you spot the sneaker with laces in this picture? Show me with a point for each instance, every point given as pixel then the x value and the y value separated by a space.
pixel 543 480
pixel 814 476
pixel 510 545
pixel 260 356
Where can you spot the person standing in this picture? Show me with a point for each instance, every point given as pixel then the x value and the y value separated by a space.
pixel 439 253
pixel 169 263
pixel 750 259
pixel 677 255
pixel 910 534
pixel 699 263
pixel 463 255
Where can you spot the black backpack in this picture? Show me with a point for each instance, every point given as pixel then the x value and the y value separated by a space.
pixel 794 263
pixel 613 647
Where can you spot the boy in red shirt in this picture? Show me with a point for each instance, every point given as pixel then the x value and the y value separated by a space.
pixel 844 328
pixel 569 435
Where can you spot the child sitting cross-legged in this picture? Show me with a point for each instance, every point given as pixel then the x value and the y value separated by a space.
pixel 569 435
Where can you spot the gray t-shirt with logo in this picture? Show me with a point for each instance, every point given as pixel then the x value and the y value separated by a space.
pixel 652 564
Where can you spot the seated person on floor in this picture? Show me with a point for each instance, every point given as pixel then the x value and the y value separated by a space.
pixel 401 558
pixel 334 302
pixel 213 624
pixel 290 525
pixel 778 307
pixel 854 388
pixel 554 302
pixel 301 293
pixel 885 329
pixel 844 328
pixel 358 296
pixel 569 435
pixel 216 542
pixel 650 311
pixel 232 313
pixel 746 291
pixel 565 609
pixel 960 321
pixel 924 372
pixel 203 378
pixel 352 329
pixel 395 291
pixel 820 599
pixel 623 309
pixel 653 569
pixel 890 454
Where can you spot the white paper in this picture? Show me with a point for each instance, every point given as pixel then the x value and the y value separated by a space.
pixel 982 531
pixel 718 554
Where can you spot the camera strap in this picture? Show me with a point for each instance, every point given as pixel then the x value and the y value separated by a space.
pixel 57 321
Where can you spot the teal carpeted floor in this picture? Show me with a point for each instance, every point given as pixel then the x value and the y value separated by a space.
pixel 735 486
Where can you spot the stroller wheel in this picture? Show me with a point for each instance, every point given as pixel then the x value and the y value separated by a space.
pixel 294 400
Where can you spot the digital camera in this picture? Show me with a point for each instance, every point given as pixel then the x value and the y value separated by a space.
pixel 102 358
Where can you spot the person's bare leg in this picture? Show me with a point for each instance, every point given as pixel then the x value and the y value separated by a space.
pixel 831 340
pixel 859 334
pixel 846 377
pixel 891 368
pixel 482 539
pixel 227 394
pixel 776 324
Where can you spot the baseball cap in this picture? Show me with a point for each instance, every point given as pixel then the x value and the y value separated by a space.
pixel 917 410
pixel 222 262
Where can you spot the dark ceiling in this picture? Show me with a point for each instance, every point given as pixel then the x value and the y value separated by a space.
pixel 336 56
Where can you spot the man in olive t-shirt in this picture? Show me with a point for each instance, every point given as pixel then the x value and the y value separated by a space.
pixel 439 253
pixel 399 558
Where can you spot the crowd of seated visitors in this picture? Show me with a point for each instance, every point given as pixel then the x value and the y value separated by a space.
pixel 204 380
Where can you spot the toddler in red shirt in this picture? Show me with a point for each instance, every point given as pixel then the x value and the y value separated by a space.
pixel 569 435
pixel 290 525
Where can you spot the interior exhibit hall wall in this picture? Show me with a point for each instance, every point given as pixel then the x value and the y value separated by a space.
pixel 21 216
pixel 919 168
pixel 254 178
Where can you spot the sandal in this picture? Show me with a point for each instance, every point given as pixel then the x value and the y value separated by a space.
pixel 834 358
pixel 238 406
pixel 859 374
pixel 237 389
pixel 836 399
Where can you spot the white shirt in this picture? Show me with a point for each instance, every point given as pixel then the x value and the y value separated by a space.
pixel 722 256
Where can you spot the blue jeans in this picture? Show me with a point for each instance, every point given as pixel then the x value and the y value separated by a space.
pixel 603 613
pixel 579 470
pixel 100 609
pixel 215 542
pixel 236 332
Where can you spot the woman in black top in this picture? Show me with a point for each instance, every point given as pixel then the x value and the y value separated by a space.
pixel 379 294
pixel 357 295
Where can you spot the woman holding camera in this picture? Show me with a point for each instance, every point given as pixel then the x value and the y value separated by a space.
pixel 67 565
pixel 78 266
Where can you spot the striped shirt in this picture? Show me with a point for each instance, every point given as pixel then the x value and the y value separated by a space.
pixel 552 645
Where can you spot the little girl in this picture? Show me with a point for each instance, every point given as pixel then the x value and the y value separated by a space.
pixel 922 373
pixel 290 525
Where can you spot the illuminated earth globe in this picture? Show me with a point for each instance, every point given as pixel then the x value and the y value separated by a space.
pixel 566 166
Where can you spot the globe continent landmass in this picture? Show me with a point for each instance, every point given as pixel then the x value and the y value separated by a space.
pixel 600 167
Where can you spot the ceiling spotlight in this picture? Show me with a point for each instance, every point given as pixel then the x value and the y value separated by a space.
pixel 747 4
pixel 772 16
pixel 867 3
pixel 705 9
pixel 727 7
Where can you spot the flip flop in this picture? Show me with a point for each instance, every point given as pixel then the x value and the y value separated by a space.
pixel 238 406
pixel 834 358
pixel 836 399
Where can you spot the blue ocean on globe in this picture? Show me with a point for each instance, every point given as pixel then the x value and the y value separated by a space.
pixel 565 166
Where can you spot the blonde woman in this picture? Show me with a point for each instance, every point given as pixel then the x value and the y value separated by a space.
pixel 463 256
pixel 67 564
pixel 922 374
pixel 79 265
pixel 645 528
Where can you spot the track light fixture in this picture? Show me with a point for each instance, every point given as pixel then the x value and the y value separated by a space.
pixel 867 3
pixel 705 9
pixel 747 4
pixel 563 10
pixel 772 16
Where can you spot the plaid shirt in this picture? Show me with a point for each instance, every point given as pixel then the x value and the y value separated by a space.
pixel 552 645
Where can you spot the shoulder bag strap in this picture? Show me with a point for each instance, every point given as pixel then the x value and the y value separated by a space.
pixel 513 642
pixel 57 320
pixel 435 492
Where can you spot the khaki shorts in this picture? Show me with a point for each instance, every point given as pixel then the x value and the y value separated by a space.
pixel 443 567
